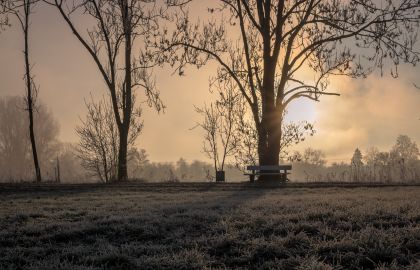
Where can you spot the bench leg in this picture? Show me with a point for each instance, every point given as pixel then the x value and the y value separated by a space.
pixel 283 177
pixel 251 178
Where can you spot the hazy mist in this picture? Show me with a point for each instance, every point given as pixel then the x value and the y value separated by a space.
pixel 370 111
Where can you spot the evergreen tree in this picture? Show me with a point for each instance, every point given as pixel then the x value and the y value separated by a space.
pixel 357 164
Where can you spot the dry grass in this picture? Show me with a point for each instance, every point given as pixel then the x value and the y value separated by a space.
pixel 175 227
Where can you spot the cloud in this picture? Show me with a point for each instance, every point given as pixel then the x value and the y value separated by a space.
pixel 369 112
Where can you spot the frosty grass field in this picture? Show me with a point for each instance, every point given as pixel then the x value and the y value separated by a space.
pixel 209 227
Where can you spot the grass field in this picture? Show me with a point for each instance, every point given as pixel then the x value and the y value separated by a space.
pixel 206 226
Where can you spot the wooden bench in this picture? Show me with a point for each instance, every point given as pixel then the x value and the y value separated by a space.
pixel 281 170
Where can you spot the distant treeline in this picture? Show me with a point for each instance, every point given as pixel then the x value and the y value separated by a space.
pixel 400 164
pixel 61 161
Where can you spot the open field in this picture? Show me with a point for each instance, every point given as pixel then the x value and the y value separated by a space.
pixel 184 226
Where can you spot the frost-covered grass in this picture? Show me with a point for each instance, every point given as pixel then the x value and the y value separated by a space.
pixel 154 227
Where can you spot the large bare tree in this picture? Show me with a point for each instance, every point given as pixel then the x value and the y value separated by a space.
pixel 278 51
pixel 22 10
pixel 120 25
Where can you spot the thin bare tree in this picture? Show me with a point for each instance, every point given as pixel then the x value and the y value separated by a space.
pixel 22 10
pixel 273 48
pixel 219 126
pixel 120 25
pixel 98 133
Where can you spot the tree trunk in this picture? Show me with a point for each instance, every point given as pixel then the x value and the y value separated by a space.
pixel 122 155
pixel 270 152
pixel 269 134
pixel 126 95
pixel 33 143
pixel 29 93
pixel 58 176
pixel 104 161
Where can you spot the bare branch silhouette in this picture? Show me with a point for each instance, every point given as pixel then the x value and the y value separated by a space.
pixel 22 10
pixel 118 26
pixel 98 133
pixel 269 48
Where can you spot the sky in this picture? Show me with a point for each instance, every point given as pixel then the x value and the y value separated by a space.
pixel 369 112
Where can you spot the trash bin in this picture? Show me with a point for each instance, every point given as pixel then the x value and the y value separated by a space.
pixel 220 176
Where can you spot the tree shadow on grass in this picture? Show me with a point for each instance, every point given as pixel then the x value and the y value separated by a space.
pixel 183 229
pixel 205 226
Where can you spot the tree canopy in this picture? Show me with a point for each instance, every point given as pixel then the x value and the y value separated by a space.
pixel 279 51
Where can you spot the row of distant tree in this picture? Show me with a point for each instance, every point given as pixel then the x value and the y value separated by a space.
pixel 71 163
pixel 16 161
pixel 400 164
